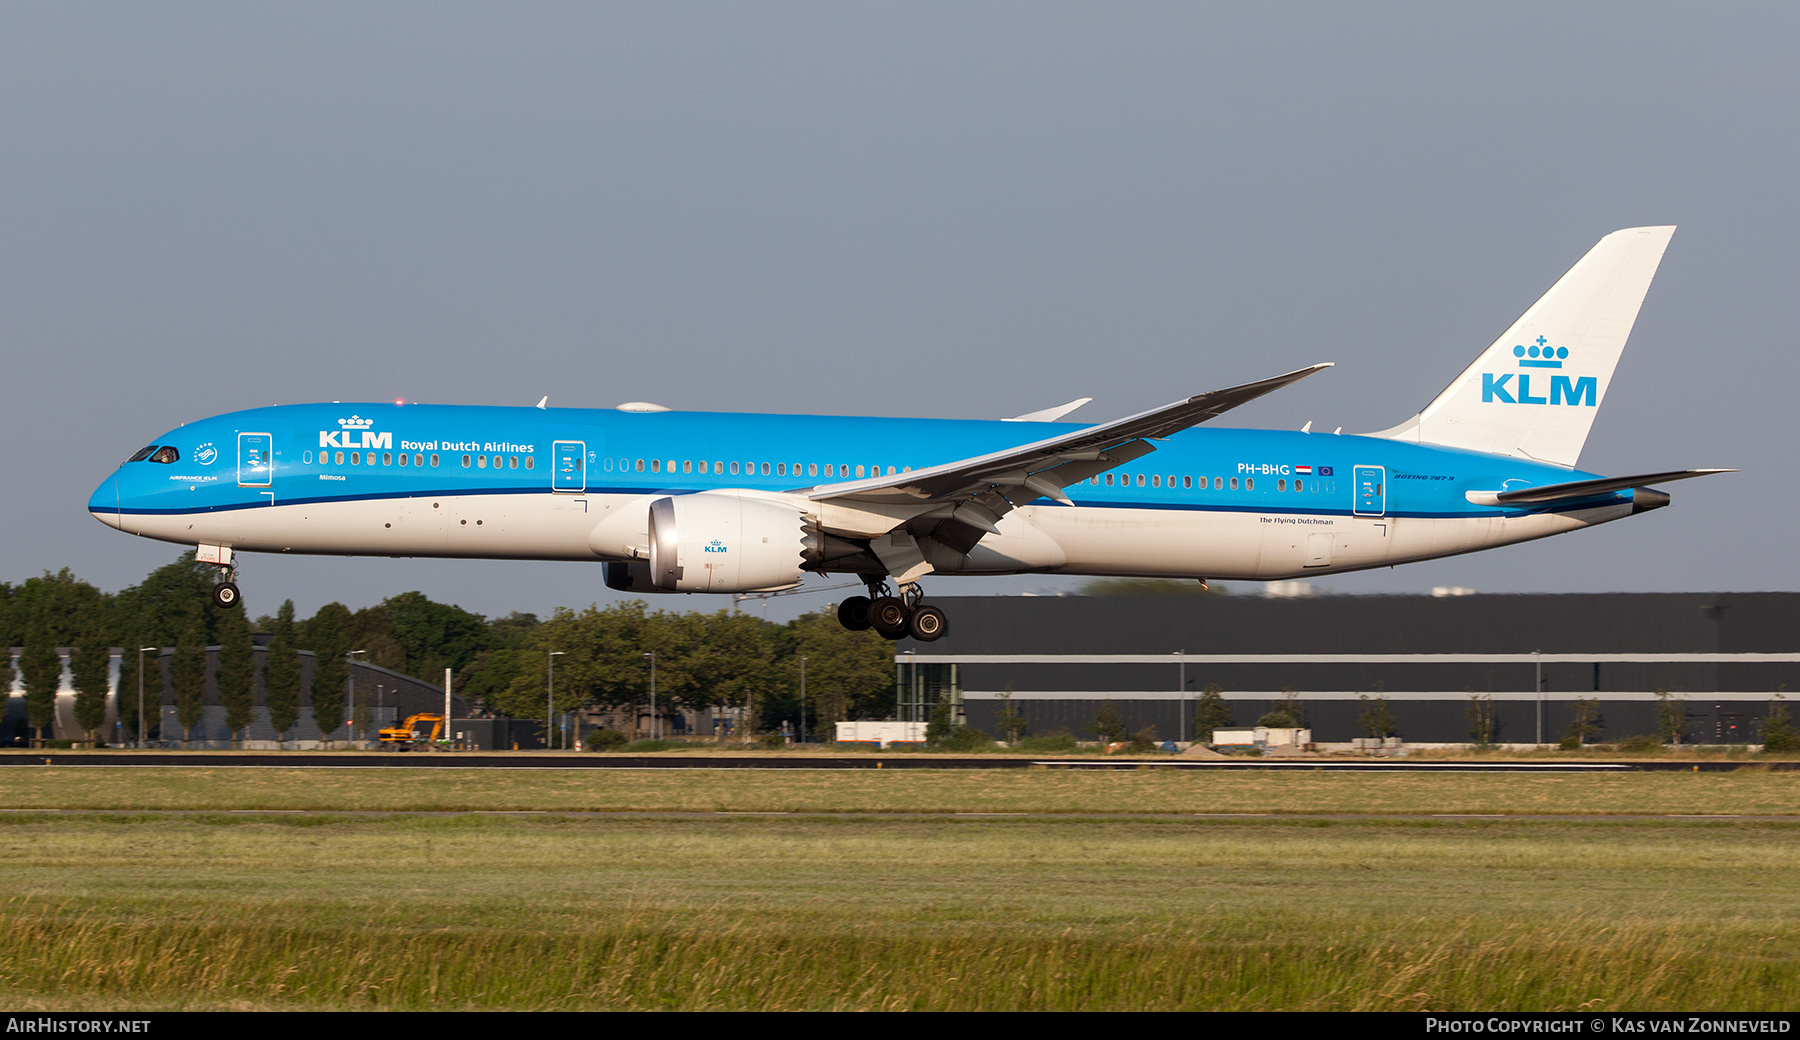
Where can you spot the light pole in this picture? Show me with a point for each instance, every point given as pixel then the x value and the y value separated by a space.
pixel 143 730
pixel 654 729
pixel 802 698
pixel 350 680
pixel 1181 693
pixel 550 696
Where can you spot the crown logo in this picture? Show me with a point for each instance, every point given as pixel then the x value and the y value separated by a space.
pixel 1540 355
pixel 356 422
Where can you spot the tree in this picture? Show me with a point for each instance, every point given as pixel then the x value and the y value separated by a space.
pixel 1480 713
pixel 1287 714
pixel 1778 731
pixel 128 690
pixel 1107 725
pixel 41 668
pixel 940 726
pixel 1012 722
pixel 237 671
pixel 281 674
pixel 91 671
pixel 189 671
pixel 1671 717
pixel 324 634
pixel 1211 713
pixel 1375 718
pixel 1584 724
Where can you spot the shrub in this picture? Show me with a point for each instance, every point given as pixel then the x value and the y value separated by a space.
pixel 1642 743
pixel 1061 742
pixel 1143 740
pixel 605 740
pixel 966 739
pixel 1277 720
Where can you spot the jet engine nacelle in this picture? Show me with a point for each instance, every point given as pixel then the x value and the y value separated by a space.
pixel 724 541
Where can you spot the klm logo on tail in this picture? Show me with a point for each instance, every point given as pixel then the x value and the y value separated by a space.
pixel 1583 391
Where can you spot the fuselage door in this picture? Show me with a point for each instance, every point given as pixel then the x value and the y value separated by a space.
pixel 255 466
pixel 1371 491
pixel 568 466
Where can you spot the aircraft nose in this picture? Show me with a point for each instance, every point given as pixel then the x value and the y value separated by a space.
pixel 105 503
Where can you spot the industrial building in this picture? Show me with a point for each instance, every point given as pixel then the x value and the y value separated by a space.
pixel 1440 662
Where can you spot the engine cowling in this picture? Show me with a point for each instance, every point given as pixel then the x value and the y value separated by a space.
pixel 723 541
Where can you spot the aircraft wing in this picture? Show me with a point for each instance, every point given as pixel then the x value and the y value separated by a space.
pixel 905 516
pixel 1575 489
pixel 1043 468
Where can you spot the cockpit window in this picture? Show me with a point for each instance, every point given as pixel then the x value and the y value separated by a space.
pixel 143 453
pixel 166 454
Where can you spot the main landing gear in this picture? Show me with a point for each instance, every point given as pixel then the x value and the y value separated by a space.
pixel 894 617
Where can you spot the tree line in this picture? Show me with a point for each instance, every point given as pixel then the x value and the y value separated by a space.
pixel 501 664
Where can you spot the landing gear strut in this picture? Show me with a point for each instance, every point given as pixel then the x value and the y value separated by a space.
pixel 894 616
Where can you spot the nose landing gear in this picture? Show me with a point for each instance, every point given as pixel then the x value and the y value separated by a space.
pixel 225 594
pixel 894 616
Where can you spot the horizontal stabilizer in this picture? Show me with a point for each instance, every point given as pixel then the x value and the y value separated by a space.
pixel 1575 489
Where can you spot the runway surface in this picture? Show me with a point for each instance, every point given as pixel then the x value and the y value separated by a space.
pixel 564 760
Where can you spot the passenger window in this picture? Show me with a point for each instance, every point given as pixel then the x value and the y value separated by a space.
pixel 718 467
pixel 781 469
pixel 1249 483
pixel 1187 481
pixel 481 462
pixel 656 465
pixel 1109 479
pixel 512 462
pixel 671 465
pixel 340 458
pixel 1219 482
pixel 640 465
pixel 306 457
pixel 812 469
pixel 1156 481
pixel 687 465
pixel 859 471
pixel 531 462
pixel 434 460
pixel 1281 485
pixel 829 470
pixel 403 458
pixel 1234 483
pixel 356 458
pixel 1140 481
pixel 890 471
pixel 765 468
pixel 387 458
pixel 734 468
pixel 466 462
pixel 1094 480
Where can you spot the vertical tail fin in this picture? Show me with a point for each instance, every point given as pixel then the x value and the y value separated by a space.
pixel 1534 393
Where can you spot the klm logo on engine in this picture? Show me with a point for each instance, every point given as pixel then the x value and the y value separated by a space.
pixel 354 427
pixel 1583 391
pixel 716 547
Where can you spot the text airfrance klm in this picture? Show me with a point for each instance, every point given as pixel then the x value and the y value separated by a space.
pixel 1563 390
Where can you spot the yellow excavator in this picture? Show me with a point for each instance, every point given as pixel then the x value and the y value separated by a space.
pixel 405 737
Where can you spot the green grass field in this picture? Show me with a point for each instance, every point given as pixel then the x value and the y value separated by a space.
pixel 1750 790
pixel 139 910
